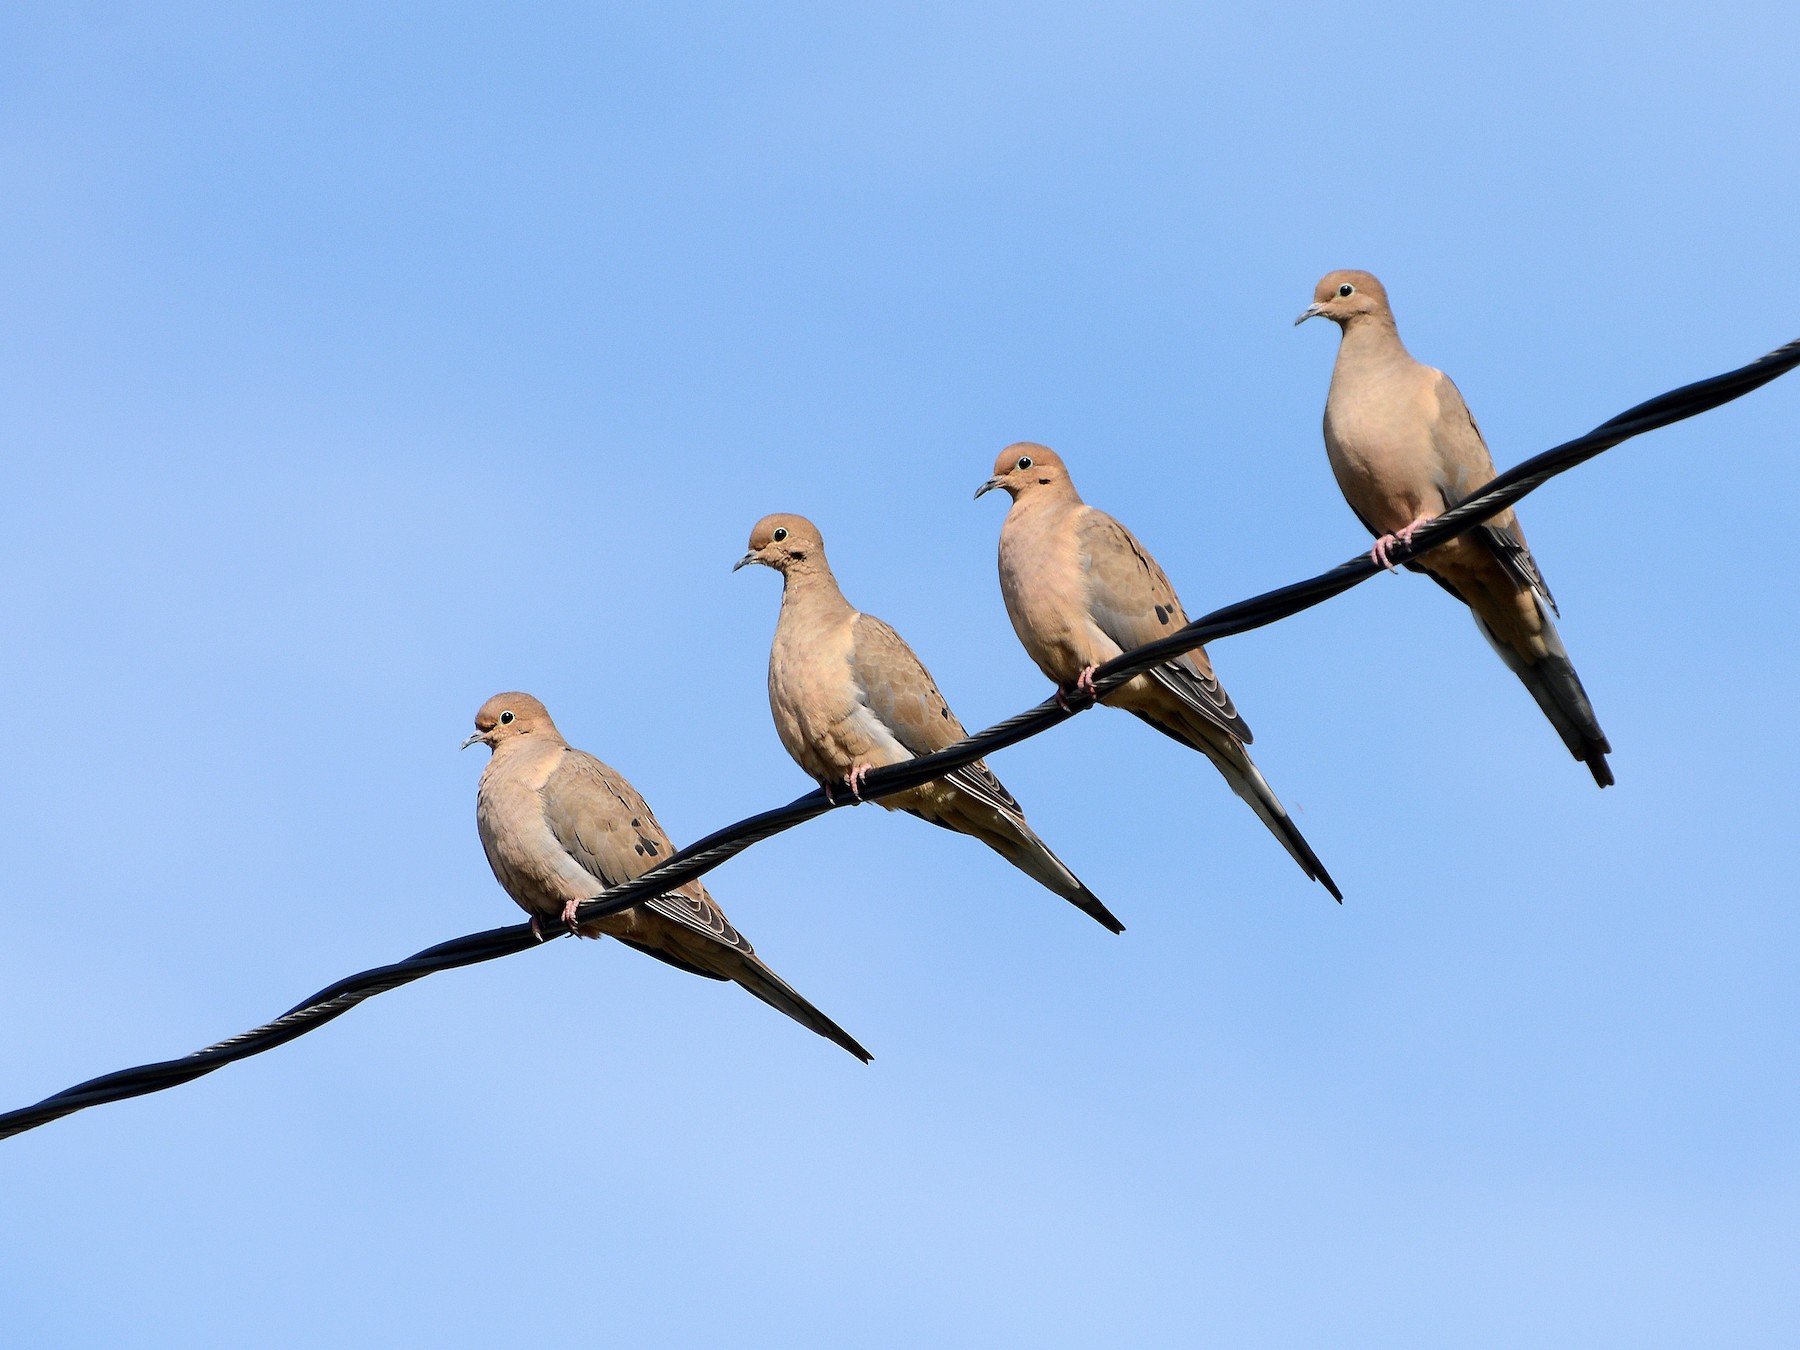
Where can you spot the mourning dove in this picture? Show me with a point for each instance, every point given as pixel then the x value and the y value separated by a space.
pixel 1405 449
pixel 849 695
pixel 559 827
pixel 1080 589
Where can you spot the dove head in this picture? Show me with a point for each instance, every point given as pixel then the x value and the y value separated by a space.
pixel 506 717
pixel 1345 296
pixel 786 543
pixel 1027 467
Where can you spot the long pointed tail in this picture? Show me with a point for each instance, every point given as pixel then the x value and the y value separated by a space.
pixel 1234 765
pixel 1557 688
pixel 981 808
pixel 1021 847
pixel 781 996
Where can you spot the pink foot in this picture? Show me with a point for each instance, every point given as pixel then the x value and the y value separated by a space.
pixel 1083 685
pixel 1412 529
pixel 858 772
pixel 568 915
pixel 1387 541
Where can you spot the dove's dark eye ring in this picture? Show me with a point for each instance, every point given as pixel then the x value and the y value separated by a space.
pixel 1346 289
pixel 780 534
pixel 1024 461
pixel 506 718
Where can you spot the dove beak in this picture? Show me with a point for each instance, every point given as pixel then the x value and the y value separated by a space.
pixel 478 736
pixel 1310 312
pixel 746 560
pixel 988 486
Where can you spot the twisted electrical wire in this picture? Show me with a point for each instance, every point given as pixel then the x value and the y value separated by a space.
pixel 704 855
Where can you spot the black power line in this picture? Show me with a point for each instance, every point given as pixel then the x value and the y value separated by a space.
pixel 701 857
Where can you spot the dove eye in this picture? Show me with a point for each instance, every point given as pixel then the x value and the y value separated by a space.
pixel 1024 461
pixel 1346 289
pixel 781 534
pixel 506 719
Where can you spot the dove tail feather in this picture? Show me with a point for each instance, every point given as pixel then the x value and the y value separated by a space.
pixel 667 957
pixel 1021 847
pixel 1255 790
pixel 1245 779
pixel 1557 689
pixel 781 996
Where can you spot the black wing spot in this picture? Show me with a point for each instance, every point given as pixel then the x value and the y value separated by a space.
pixel 1162 614
pixel 636 824
pixel 639 849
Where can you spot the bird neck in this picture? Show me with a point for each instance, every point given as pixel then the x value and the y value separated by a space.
pixel 1048 496
pixel 1370 335
pixel 539 744
pixel 809 582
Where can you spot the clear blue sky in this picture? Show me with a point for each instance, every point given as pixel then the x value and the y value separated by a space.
pixel 360 361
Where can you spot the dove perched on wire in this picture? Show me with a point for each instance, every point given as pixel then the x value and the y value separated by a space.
pixel 1080 590
pixel 559 827
pixel 849 695
pixel 1405 449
